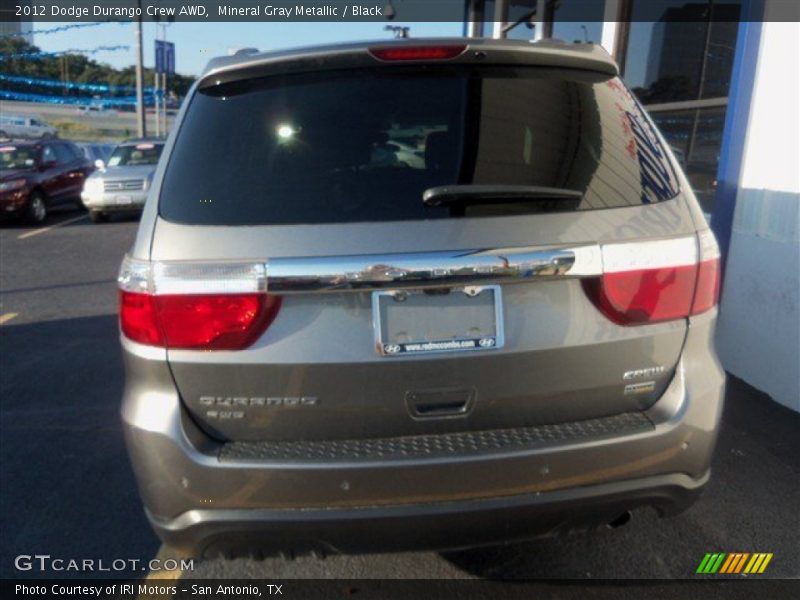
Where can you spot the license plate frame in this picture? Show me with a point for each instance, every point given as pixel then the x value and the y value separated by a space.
pixel 417 345
pixel 123 200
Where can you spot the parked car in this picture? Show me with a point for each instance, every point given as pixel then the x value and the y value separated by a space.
pixel 121 186
pixel 96 151
pixel 36 175
pixel 512 337
pixel 89 110
pixel 17 126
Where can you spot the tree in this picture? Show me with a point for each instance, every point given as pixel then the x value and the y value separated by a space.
pixel 82 69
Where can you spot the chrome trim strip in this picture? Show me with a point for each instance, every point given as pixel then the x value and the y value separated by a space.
pixel 393 271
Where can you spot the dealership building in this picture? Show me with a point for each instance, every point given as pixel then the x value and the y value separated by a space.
pixel 721 79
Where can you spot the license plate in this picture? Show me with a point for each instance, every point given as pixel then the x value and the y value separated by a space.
pixel 124 200
pixel 415 322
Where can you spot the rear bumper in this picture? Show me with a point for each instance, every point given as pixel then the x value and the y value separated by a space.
pixel 108 202
pixel 13 203
pixel 438 526
pixel 203 499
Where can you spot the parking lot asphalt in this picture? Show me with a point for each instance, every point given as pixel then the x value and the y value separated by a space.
pixel 66 488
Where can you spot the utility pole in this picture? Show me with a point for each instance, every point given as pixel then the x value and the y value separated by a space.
pixel 141 113
pixel 475 18
pixel 164 99
pixel 400 33
pixel 156 102
pixel 164 128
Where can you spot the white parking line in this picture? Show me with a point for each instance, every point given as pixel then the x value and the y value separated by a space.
pixel 7 317
pixel 43 229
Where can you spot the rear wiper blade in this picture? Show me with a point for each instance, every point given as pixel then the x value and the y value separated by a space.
pixel 445 195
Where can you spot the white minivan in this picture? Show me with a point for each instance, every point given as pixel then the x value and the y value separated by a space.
pixel 25 127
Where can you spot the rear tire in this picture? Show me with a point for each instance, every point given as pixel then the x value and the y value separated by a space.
pixel 36 211
pixel 98 217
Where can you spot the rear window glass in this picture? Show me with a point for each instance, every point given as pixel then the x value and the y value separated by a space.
pixel 131 156
pixel 361 146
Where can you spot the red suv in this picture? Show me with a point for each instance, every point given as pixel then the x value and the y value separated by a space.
pixel 35 175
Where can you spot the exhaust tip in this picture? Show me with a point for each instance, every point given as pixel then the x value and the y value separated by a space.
pixel 620 520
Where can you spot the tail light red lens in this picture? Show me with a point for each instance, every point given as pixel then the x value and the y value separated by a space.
pixel 646 296
pixel 184 318
pixel 648 282
pixel 709 275
pixel 706 295
pixel 215 321
pixel 137 318
pixel 406 53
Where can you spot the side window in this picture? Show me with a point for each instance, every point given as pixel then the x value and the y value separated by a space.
pixel 63 154
pixel 48 155
pixel 76 152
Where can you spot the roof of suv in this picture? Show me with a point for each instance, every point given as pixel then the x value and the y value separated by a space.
pixel 547 53
pixel 29 142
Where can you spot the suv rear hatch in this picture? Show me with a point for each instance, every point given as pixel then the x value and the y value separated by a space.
pixel 547 278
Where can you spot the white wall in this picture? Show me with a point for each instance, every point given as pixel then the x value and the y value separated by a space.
pixel 610 25
pixel 758 338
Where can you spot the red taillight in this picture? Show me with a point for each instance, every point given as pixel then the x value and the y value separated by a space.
pixel 706 295
pixel 396 53
pixel 215 321
pixel 163 304
pixel 204 322
pixel 137 318
pixel 646 296
pixel 648 282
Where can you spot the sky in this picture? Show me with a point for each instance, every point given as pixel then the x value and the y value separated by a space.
pixel 196 43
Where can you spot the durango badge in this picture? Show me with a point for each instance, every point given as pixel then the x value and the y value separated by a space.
pixel 257 401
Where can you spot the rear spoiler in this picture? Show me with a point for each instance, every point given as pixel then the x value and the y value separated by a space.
pixel 550 53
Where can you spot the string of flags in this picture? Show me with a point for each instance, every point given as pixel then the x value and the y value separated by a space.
pixel 112 102
pixel 100 88
pixel 43 55
pixel 124 95
pixel 54 29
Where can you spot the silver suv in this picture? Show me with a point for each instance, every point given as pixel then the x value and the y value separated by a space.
pixel 122 184
pixel 332 347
